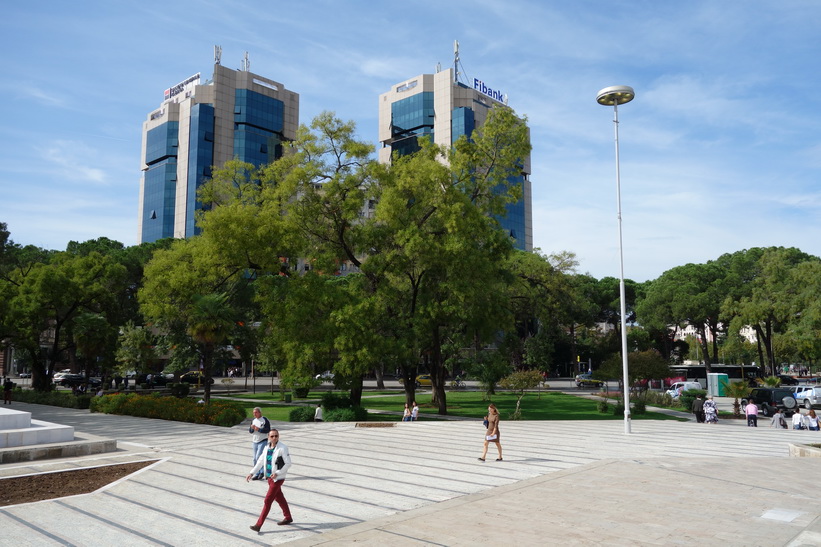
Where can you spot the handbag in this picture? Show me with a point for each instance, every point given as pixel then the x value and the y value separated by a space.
pixel 491 437
pixel 485 422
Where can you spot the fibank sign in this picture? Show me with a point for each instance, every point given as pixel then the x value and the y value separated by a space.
pixel 182 86
pixel 495 94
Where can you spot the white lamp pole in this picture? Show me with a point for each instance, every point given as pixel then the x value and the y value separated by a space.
pixel 616 95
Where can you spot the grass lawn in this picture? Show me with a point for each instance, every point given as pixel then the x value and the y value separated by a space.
pixel 551 405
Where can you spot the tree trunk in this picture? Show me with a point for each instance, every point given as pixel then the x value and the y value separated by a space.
pixel 437 373
pixel 380 377
pixel 356 390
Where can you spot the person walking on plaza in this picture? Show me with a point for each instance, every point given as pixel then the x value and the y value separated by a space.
pixel 259 429
pixel 710 411
pixel 778 420
pixel 751 410
pixel 414 412
pixel 798 420
pixel 318 413
pixel 698 409
pixel 492 434
pixel 274 464
pixel 406 416
pixel 8 385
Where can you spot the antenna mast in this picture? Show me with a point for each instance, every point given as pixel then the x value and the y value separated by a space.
pixel 217 55
pixel 456 61
pixel 246 63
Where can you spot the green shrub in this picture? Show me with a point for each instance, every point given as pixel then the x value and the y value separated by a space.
pixel 687 397
pixel 217 412
pixel 301 392
pixel 602 406
pixel 350 414
pixel 618 409
pixel 639 407
pixel 331 400
pixel 53 398
pixel 658 398
pixel 181 389
pixel 301 414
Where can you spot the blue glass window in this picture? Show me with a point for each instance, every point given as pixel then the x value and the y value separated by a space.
pixel 411 118
pixel 161 142
pixel 258 123
pixel 200 160
pixel 158 200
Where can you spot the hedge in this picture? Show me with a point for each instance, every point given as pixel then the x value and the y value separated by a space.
pixel 54 398
pixel 217 412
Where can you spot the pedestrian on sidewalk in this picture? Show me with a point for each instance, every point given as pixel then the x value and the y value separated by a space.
pixel 751 410
pixel 710 410
pixel 259 429
pixel 406 417
pixel 318 413
pixel 274 464
pixel 798 420
pixel 778 420
pixel 492 432
pixel 414 412
pixel 8 385
pixel 698 408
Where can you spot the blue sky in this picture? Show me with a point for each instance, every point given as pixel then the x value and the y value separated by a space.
pixel 720 150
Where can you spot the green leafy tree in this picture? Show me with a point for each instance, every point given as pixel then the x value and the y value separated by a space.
pixel 135 350
pixel 736 390
pixel 209 323
pixel 519 382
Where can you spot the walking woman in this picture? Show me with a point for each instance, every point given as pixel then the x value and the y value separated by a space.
pixel 492 434
pixel 710 410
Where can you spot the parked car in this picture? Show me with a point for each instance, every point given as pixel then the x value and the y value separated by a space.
pixel 59 375
pixel 769 399
pixel 76 380
pixel 585 379
pixel 24 375
pixel 194 377
pixel 326 376
pixel 787 380
pixel 679 387
pixel 808 396
pixel 156 379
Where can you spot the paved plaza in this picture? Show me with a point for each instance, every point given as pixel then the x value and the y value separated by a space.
pixel 561 483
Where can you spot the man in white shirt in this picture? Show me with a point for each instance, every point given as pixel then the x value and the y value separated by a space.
pixel 797 420
pixel 274 464
pixel 259 429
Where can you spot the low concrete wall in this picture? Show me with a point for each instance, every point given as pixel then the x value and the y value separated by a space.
pixel 805 451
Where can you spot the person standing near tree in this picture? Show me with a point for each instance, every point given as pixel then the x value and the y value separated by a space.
pixel 8 385
pixel 259 429
pixel 274 464
pixel 414 412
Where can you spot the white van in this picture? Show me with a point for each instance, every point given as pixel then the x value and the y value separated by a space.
pixel 678 387
pixel 809 396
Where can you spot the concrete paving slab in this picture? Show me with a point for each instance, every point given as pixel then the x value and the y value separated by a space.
pixel 570 482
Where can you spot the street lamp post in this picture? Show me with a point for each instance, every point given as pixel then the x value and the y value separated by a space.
pixel 616 95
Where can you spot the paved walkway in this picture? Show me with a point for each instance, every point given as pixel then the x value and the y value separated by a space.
pixel 570 483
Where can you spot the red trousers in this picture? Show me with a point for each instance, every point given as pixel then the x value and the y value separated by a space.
pixel 274 494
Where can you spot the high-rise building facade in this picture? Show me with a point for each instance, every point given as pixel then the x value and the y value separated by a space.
pixel 443 109
pixel 235 115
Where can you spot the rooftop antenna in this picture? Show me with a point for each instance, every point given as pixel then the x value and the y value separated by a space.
pixel 217 54
pixel 456 61
pixel 438 68
pixel 246 63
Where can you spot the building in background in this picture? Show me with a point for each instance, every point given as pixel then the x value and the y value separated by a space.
pixel 235 115
pixel 442 108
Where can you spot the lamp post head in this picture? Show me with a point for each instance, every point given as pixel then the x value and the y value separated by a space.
pixel 615 95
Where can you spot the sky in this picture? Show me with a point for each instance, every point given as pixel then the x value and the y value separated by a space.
pixel 720 151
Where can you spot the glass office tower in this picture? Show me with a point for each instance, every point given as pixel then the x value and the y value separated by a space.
pixel 437 106
pixel 235 115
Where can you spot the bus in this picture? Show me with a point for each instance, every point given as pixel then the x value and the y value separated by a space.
pixel 698 373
